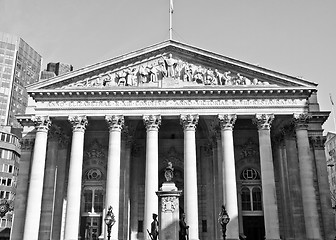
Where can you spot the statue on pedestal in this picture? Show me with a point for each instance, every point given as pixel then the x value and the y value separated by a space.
pixel 154 227
pixel 183 233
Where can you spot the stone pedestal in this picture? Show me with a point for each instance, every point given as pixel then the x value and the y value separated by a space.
pixel 169 211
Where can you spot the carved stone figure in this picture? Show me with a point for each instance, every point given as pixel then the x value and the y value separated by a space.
pixel 154 227
pixel 169 172
pixel 178 69
pixel 188 73
pixel 199 75
pixel 143 74
pixel 183 233
pixel 227 78
pixel 209 77
pixel 152 73
pixel 121 78
pixel 219 77
pixel 109 81
pixel 131 78
pixel 170 65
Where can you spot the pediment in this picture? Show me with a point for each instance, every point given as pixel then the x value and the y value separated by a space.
pixel 170 65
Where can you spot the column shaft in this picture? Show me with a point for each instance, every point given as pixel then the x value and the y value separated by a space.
pixel 75 178
pixel 34 201
pixel 152 123
pixel 113 169
pixel 229 175
pixel 267 177
pixel 307 178
pixel 190 175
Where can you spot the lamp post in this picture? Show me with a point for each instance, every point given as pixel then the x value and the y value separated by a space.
pixel 223 220
pixel 109 221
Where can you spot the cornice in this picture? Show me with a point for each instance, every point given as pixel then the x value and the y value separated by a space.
pixel 234 91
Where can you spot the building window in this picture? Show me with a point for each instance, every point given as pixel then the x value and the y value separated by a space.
pixel 88 201
pixel 93 200
pixel 251 193
pixel 140 226
pixel 246 199
pixel 256 198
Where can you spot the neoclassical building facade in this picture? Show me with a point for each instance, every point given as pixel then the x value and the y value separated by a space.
pixel 236 134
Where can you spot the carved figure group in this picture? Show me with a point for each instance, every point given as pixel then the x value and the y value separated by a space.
pixel 166 67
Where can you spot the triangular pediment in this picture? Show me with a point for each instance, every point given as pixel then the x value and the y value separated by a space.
pixel 170 65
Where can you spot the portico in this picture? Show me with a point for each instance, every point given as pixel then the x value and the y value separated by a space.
pixel 214 118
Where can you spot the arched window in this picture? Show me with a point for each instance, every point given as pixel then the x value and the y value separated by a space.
pixel 256 198
pixel 251 194
pixel 246 199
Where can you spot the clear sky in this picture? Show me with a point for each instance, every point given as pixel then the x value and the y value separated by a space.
pixel 297 38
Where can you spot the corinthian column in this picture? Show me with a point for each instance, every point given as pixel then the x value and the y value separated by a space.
pixel 152 123
pixel 270 207
pixel 115 123
pixel 229 174
pixel 34 201
pixel 306 166
pixel 189 123
pixel 75 177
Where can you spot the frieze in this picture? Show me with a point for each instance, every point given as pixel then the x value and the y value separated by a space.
pixel 173 103
pixel 155 71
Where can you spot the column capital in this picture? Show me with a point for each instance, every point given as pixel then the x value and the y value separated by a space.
pixel 189 121
pixel 263 121
pixel 78 123
pixel 301 120
pixel 227 121
pixel 152 122
pixel 115 122
pixel 42 123
pixel 317 142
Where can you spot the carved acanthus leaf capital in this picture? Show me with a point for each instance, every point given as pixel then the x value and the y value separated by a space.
pixel 263 121
pixel 301 120
pixel 115 122
pixel 78 123
pixel 317 142
pixel 152 122
pixel 189 121
pixel 227 121
pixel 42 123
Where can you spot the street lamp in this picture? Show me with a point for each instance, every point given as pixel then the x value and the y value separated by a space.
pixel 109 221
pixel 223 220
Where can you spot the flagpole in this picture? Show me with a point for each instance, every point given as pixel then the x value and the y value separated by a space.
pixel 171 20
pixel 333 110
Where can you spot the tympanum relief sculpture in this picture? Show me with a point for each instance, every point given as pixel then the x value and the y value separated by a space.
pixel 163 68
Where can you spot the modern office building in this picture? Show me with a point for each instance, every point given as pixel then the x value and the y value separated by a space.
pixel 236 134
pixel 55 69
pixel 59 68
pixel 10 152
pixel 20 65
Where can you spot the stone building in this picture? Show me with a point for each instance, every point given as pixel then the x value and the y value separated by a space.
pixel 236 134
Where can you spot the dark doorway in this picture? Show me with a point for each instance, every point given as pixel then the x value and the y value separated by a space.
pixel 254 228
